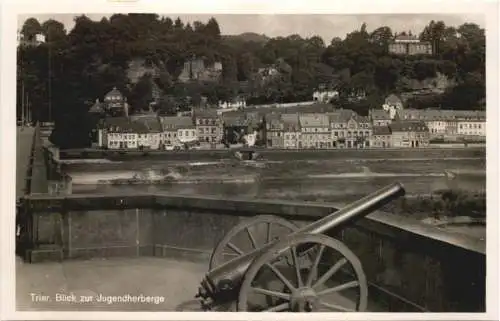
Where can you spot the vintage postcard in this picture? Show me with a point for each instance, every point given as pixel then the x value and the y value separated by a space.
pixel 187 160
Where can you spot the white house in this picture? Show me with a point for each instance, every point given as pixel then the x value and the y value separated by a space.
pixel 392 105
pixel 119 133
pixel 178 130
pixel 150 135
pixel 235 103
pixel 471 123
pixel 325 96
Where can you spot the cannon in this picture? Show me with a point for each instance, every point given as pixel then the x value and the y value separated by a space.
pixel 287 268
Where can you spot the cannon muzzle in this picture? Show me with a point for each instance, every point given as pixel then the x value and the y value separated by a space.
pixel 222 284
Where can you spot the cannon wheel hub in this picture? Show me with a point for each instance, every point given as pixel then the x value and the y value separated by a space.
pixel 305 288
pixel 303 300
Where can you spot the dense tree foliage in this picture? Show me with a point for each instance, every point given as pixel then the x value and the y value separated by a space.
pixel 72 69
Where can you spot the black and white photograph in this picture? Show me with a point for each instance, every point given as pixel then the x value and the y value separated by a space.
pixel 218 162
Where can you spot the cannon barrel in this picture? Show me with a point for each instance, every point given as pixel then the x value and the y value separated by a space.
pixel 221 285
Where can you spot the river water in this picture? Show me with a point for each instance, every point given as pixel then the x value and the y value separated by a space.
pixel 336 177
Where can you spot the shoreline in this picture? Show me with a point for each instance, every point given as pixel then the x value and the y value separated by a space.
pixel 94 153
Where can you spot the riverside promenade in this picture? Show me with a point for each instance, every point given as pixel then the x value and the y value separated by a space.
pixel 31 174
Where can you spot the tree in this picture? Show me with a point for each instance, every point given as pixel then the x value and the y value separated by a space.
pixel 165 80
pixel 335 41
pixel 425 69
pixel 30 28
pixel 53 30
pixel 167 105
pixel 178 24
pixel 381 36
pixel 467 94
pixel 246 66
pixel 212 28
pixel 96 55
pixel 141 94
pixel 199 26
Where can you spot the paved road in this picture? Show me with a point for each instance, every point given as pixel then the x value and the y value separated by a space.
pixel 174 280
pixel 23 149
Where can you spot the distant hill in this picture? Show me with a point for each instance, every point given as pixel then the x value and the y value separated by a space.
pixel 247 37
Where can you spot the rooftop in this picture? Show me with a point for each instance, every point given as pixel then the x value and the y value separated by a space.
pixel 407 126
pixel 406 38
pixel 205 113
pixel 113 92
pixel 440 114
pixel 176 122
pixel 97 107
pixel 341 115
pixel 290 118
pixel 314 120
pixel 379 114
pixel 152 124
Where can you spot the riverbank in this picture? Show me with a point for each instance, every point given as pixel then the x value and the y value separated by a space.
pixel 212 154
pixel 457 210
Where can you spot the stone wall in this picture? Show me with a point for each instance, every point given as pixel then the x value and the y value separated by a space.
pixel 411 266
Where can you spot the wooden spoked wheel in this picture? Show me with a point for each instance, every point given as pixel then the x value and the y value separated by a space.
pixel 250 235
pixel 331 280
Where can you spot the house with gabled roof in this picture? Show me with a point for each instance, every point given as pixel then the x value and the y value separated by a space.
pixel 208 125
pixel 315 131
pixel 178 130
pixel 120 133
pixel 409 134
pixel 291 130
pixel 379 117
pixel 381 137
pixel 349 130
pixel 151 139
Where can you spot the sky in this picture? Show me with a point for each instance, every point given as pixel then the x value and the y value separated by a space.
pixel 306 25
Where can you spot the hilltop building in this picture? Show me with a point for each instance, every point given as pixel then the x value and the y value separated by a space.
pixel 325 95
pixel 408 44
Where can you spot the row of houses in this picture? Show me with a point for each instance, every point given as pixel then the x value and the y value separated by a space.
pixel 341 128
pixel 149 131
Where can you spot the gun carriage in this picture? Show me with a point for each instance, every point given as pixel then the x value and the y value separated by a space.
pixel 299 269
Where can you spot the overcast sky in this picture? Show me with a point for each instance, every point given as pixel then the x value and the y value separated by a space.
pixel 325 26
